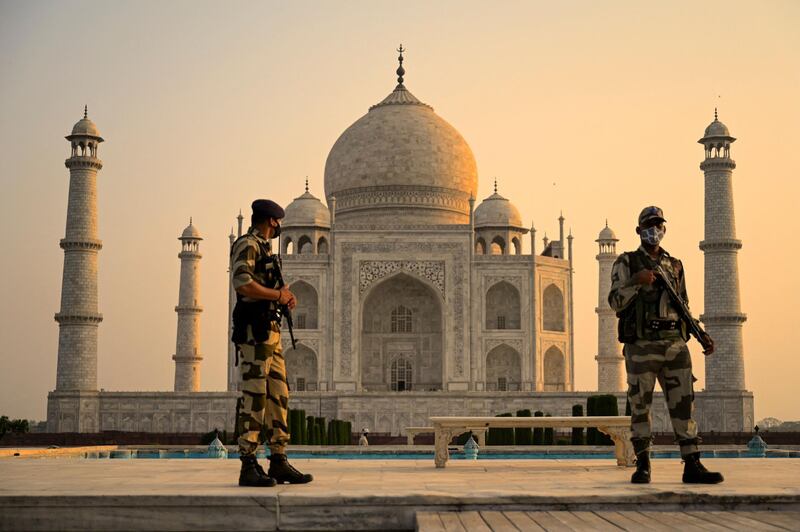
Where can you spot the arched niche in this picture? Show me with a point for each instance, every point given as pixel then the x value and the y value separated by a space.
pixel 517 246
pixel 555 370
pixel 502 306
pixel 553 309
pixel 498 246
pixel 322 246
pixel 305 246
pixel 288 246
pixel 419 340
pixel 503 369
pixel 301 368
pixel 305 314
pixel 480 246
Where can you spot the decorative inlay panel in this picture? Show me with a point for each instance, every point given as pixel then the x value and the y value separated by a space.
pixel 374 270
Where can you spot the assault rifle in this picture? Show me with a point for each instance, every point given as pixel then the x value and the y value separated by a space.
pixel 284 309
pixel 683 309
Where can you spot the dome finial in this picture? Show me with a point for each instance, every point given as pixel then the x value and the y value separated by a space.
pixel 715 115
pixel 400 70
pixel 606 222
pixel 190 220
pixel 495 185
pixel 86 111
pixel 306 183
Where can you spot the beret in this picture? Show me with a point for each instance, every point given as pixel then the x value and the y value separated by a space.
pixel 267 208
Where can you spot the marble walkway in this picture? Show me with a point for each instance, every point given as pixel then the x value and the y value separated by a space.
pixel 201 494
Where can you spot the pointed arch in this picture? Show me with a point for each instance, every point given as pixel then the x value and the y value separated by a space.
pixel 480 246
pixel 301 368
pixel 553 309
pixel 498 246
pixel 502 305
pixel 503 369
pixel 555 374
pixel 322 246
pixel 305 246
pixel 306 312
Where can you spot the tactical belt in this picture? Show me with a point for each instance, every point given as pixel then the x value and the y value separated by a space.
pixel 662 325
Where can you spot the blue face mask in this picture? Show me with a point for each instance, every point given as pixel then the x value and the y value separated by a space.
pixel 652 235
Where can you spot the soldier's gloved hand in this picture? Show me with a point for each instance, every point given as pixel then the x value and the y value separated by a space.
pixel 644 277
pixel 710 343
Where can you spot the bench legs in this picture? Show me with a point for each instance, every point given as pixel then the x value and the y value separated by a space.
pixel 442 437
pixel 623 448
pixel 410 439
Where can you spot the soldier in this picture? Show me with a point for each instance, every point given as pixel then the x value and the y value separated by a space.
pixel 655 347
pixel 257 335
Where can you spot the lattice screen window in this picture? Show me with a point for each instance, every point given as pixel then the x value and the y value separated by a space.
pixel 402 375
pixel 401 320
pixel 501 322
pixel 301 384
pixel 502 384
pixel 301 321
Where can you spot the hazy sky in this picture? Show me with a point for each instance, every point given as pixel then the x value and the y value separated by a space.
pixel 590 107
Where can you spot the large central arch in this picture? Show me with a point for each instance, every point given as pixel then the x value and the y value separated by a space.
pixel 401 324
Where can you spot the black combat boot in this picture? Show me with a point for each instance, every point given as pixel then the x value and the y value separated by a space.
pixel 252 473
pixel 283 472
pixel 642 448
pixel 696 473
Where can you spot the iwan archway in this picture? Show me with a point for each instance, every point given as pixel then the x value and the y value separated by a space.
pixel 401 336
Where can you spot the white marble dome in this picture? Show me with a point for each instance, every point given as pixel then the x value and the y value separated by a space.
pixel 607 234
pixel 497 211
pixel 307 211
pixel 401 162
pixel 717 129
pixel 190 233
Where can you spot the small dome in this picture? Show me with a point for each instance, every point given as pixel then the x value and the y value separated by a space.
pixel 190 233
pixel 85 128
pixel 497 211
pixel 307 210
pixel 717 129
pixel 607 234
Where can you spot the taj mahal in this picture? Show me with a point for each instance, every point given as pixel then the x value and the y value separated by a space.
pixel 414 297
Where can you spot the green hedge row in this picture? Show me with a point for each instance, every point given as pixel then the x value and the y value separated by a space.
pixel 312 430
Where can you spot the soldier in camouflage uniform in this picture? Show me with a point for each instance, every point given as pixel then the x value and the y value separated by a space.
pixel 655 346
pixel 257 335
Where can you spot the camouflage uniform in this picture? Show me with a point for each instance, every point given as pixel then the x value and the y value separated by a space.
pixel 655 346
pixel 265 393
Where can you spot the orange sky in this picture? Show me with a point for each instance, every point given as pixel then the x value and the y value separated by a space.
pixel 590 107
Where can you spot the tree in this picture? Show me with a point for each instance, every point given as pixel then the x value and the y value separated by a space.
pixel 4 425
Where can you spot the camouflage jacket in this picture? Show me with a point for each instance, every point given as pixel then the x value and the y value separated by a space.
pixel 250 261
pixel 623 292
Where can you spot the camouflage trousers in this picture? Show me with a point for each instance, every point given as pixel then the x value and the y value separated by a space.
pixel 265 394
pixel 669 363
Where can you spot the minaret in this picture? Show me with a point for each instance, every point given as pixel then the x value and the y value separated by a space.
pixel 187 346
pixel 233 371
pixel 610 362
pixel 722 315
pixel 571 310
pixel 78 318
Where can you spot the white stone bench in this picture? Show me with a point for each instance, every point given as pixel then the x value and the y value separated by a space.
pixel 617 427
pixel 413 431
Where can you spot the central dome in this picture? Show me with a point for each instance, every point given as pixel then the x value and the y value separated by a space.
pixel 401 163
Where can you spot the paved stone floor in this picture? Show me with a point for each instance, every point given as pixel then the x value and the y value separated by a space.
pixel 201 494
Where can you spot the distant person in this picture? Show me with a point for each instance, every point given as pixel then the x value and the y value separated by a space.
pixel 257 334
pixel 362 441
pixel 655 334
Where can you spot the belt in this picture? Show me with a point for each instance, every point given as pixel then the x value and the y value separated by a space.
pixel 663 325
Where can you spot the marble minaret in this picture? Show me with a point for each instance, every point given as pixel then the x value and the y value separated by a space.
pixel 722 315
pixel 78 318
pixel 610 363
pixel 187 346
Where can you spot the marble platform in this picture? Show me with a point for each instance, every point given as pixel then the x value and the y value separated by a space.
pixel 201 494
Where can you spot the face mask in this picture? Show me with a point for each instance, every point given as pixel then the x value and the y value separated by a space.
pixel 652 235
pixel 276 231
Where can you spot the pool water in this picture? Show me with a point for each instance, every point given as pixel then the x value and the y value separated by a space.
pixel 422 455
